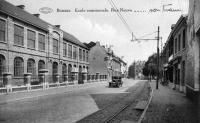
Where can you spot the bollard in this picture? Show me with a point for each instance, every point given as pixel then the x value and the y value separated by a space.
pixel 7 79
pixel 27 80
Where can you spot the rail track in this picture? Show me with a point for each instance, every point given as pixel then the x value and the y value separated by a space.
pixel 111 112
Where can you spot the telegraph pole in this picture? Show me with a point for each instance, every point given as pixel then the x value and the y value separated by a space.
pixel 158 57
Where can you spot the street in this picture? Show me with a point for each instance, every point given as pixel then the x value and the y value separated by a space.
pixel 64 107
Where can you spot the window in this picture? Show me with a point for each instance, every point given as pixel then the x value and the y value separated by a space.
pixel 18 67
pixel 31 39
pixel 64 69
pixel 87 56
pixel 31 66
pixel 179 42
pixel 41 42
pixel 64 49
pixel 74 52
pixel 175 46
pixel 18 35
pixel 80 54
pixel 55 68
pixel 184 38
pixel 41 65
pixel 55 46
pixel 83 55
pixel 2 30
pixel 2 65
pixel 69 51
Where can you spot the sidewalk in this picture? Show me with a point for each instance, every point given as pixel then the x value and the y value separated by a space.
pixel 5 98
pixel 170 106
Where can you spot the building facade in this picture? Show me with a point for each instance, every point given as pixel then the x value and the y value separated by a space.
pixel 174 55
pixel 193 54
pixel 29 45
pixel 103 61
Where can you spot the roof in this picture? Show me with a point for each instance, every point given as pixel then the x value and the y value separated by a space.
pixel 90 45
pixel 18 13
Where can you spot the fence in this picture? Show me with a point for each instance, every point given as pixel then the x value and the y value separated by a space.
pixel 52 81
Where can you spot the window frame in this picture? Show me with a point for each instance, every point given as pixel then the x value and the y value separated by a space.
pixel 70 52
pixel 5 38
pixel 18 70
pixel 74 50
pixel 57 48
pixel 23 38
pixel 39 33
pixel 65 49
pixel 29 39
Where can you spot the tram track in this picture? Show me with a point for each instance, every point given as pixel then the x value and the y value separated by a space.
pixel 110 112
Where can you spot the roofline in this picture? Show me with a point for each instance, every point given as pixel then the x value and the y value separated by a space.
pixel 28 22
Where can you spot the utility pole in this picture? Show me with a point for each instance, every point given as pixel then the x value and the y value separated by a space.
pixel 158 59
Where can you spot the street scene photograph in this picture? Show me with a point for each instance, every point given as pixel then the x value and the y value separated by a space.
pixel 100 61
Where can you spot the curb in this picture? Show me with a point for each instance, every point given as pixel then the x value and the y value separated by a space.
pixel 145 110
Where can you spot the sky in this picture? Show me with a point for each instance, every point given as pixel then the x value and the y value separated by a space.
pixel 107 28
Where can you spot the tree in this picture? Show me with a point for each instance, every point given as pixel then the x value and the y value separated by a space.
pixel 150 66
pixel 131 70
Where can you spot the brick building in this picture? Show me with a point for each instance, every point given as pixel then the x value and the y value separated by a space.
pixel 29 45
pixel 103 61
pixel 174 55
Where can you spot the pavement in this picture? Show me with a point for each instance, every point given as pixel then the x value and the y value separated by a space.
pixel 170 106
pixel 10 97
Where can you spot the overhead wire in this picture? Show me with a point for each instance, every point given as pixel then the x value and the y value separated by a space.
pixel 121 17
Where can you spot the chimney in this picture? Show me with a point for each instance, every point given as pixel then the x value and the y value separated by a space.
pixel 58 26
pixel 21 6
pixel 172 26
pixel 37 15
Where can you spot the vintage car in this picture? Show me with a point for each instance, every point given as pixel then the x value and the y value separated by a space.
pixel 116 81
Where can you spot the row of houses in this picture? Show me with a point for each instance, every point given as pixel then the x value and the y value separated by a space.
pixel 180 57
pixel 33 51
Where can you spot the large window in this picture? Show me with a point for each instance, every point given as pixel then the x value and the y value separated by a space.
pixel 41 42
pixel 18 67
pixel 83 55
pixel 55 46
pixel 2 65
pixel 87 56
pixel 64 49
pixel 41 65
pixel 31 66
pixel 74 52
pixel 69 51
pixel 2 30
pixel 18 35
pixel 184 38
pixel 80 54
pixel 64 69
pixel 31 39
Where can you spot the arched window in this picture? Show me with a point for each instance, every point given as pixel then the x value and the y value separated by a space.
pixel 2 64
pixel 70 78
pixel 18 67
pixel 64 69
pixel 69 69
pixel 31 66
pixel 55 68
pixel 41 65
